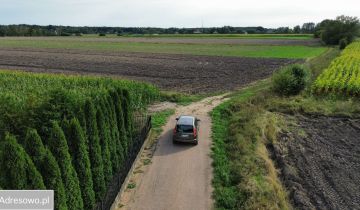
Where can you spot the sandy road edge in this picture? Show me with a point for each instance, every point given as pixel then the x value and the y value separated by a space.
pixel 128 176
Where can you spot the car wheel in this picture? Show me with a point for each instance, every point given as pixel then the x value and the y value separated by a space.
pixel 196 142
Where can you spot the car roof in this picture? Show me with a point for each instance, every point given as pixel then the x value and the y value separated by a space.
pixel 186 120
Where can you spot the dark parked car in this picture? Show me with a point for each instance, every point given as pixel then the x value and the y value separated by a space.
pixel 186 129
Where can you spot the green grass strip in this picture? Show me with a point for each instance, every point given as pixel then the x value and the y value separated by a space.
pixel 296 52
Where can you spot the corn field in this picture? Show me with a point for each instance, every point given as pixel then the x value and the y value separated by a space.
pixel 343 74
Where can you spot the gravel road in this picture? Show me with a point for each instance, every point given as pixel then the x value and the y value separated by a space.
pixel 180 175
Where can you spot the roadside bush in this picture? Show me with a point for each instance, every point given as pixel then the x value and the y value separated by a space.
pixel 81 161
pixel 45 162
pixel 343 43
pixel 58 146
pixel 289 80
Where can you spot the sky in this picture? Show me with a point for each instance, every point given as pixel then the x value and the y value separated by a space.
pixel 173 13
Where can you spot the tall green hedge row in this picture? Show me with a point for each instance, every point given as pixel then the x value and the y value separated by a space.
pixel 71 134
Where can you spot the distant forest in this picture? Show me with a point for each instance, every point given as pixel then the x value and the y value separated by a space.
pixel 52 30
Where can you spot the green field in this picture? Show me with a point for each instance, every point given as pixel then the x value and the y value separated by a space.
pixel 297 52
pixel 231 36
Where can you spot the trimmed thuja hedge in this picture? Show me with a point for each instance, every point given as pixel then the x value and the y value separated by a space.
pixel 80 160
pixel 58 146
pixel 17 169
pixel 46 163
pixel 67 133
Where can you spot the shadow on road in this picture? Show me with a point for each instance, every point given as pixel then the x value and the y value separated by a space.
pixel 168 147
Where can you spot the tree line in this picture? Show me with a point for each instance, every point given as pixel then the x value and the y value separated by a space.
pixel 341 30
pixel 51 30
pixel 331 31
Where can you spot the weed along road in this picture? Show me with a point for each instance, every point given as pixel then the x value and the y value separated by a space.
pixel 179 176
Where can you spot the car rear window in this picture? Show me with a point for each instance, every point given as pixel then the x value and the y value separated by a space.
pixel 184 128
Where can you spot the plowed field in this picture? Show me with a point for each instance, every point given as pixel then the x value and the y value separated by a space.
pixel 320 165
pixel 184 73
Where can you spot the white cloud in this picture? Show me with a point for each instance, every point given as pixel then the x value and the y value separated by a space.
pixel 172 13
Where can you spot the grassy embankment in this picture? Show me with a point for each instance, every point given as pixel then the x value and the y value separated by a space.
pixel 159 119
pixel 183 98
pixel 244 175
pixel 296 52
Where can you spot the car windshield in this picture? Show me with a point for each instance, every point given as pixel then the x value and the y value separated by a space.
pixel 184 128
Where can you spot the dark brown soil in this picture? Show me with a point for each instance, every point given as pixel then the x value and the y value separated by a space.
pixel 185 73
pixel 320 163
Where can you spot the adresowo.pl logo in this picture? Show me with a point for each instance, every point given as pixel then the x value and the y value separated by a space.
pixel 27 199
pixel 24 201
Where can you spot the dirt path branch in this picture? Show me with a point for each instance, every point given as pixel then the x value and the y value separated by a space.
pixel 179 176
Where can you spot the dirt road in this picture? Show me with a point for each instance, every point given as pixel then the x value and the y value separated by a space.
pixel 179 176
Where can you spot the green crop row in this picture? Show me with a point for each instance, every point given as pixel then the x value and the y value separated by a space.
pixel 237 50
pixel 67 133
pixel 343 74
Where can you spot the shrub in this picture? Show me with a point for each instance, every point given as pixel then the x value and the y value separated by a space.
pixel 58 146
pixel 81 161
pixel 12 171
pixel 289 80
pixel 102 34
pixel 116 150
pixel 59 105
pixel 65 34
pixel 17 170
pixel 121 125
pixel 128 113
pixel 104 134
pixel 343 43
pixel 97 167
pixel 47 165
